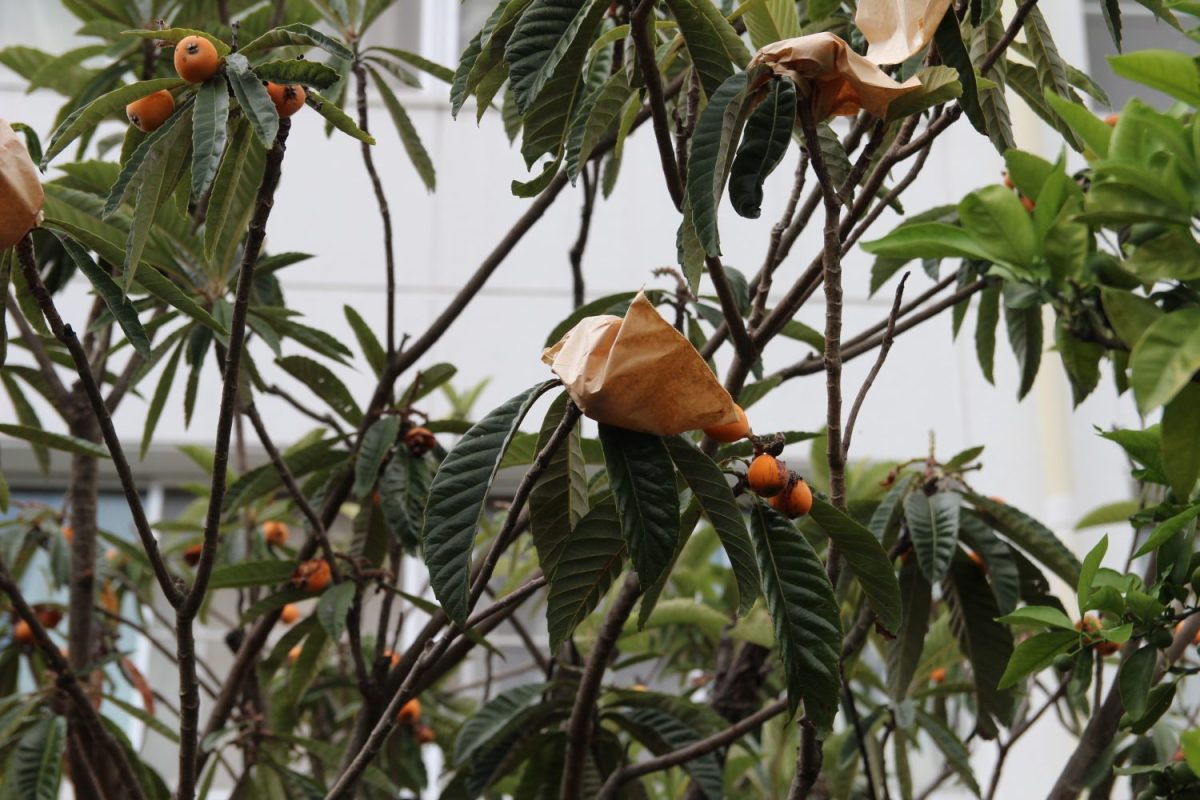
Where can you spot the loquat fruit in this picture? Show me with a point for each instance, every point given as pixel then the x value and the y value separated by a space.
pixel 794 501
pixel 419 440
pixel 1027 204
pixel 192 554
pixel 68 533
pixel 730 431
pixel 288 98
pixel 425 735
pixel 275 532
pixel 150 112
pixel 393 658
pixel 22 632
pixel 196 59
pixel 409 713
pixel 767 476
pixel 289 614
pixel 938 675
pixel 294 654
pixel 48 616
pixel 312 576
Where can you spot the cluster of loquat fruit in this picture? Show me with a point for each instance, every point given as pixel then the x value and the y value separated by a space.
pixel 767 477
pixel 197 61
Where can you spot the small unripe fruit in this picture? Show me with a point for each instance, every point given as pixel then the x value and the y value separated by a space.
pixel 425 735
pixel 289 614
pixel 1064 662
pixel 730 431
pixel 794 501
pixel 192 554
pixel 294 654
pixel 419 441
pixel 312 576
pixel 1160 638
pixel 196 59
pixel 1181 774
pixel 288 98
pixel 409 713
pixel 150 112
pixel 22 632
pixel 938 675
pixel 275 532
pixel 767 476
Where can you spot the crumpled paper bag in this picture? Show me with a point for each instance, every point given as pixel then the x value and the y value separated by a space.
pixel 640 373
pixel 842 81
pixel 898 29
pixel 21 195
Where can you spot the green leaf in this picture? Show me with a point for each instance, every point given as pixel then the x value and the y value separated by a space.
pixel 210 122
pixel 1000 564
pixel 939 85
pixel 339 119
pixel 1190 742
pixel 1135 679
pixel 131 168
pixel 713 143
pixel 265 479
pixel 560 497
pixel 1160 699
pixel 953 51
pixel 927 240
pixel 409 137
pixel 1175 255
pixel 954 750
pixel 231 201
pixel 403 490
pixel 309 73
pixel 1130 314
pixel 367 341
pixel 713 44
pixel 1168 71
pixel 595 118
pixel 420 62
pixel 933 524
pixel 376 442
pixel 158 175
pixel 496 720
pixel 1181 440
pixel 321 381
pixel 300 35
pixel 1165 531
pixel 661 733
pixel 643 483
pixel 1087 126
pixel 1039 616
pixel 251 573
pixel 1080 359
pixel 163 289
pixel 769 21
pixel 1052 70
pixel 808 628
pixel 587 564
pixel 38 760
pixel 55 441
pixel 904 652
pixel 1025 338
pixel 866 559
pixel 253 98
pixel 764 143
pixel 165 383
pixel 118 302
pixel 333 607
pixel 1166 358
pixel 540 40
pixel 83 120
pixel 707 482
pixel 456 500
pixel 987 644
pixel 997 221
pixel 1030 535
pixel 1035 654
pixel 1087 573
pixel 1108 514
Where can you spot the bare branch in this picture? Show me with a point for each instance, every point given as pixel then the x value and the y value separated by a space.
pixel 641 22
pixel 62 397
pixel 884 346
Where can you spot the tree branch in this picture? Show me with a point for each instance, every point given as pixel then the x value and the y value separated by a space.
pixel 41 357
pixel 641 21
pixel 884 346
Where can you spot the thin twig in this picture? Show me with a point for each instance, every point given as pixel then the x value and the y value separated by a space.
pixel 41 357
pixel 591 182
pixel 641 22
pixel 884 346
pixel 744 345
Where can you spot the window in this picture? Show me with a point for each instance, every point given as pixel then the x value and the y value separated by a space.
pixel 1140 30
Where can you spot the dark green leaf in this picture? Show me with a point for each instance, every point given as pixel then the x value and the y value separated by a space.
pixel 55 441
pixel 1025 337
pixel 253 98
pixel 251 573
pixel 1166 358
pixel 588 562
pixel 764 143
pixel 456 500
pixel 210 123
pixel 712 43
pixel 954 53
pixel 1036 654
pixel 807 626
pixel 321 381
pixel 540 40
pixel 332 609
pixel 496 720
pixel 338 118
pixel 1134 680
pixel 933 524
pixel 376 442
pixel 309 73
pixel 409 137
pixel 165 383
pixel 1030 535
pixel 404 489
pixel 560 497
pixel 986 320
pixel 300 35
pixel 38 760
pixel 372 350
pixel 118 302
pixel 951 747
pixel 867 561
pixel 1165 531
pixel 643 483
pixel 939 85
pixel 904 652
pixel 1181 440
pixel 713 145
pixel 1001 567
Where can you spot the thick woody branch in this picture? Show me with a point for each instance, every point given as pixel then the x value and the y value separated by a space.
pixel 729 307
pixel 579 727
pixel 65 334
pixel 641 22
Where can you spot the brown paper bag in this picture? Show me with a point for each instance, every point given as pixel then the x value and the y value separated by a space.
pixel 20 189
pixel 842 81
pixel 898 29
pixel 638 372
